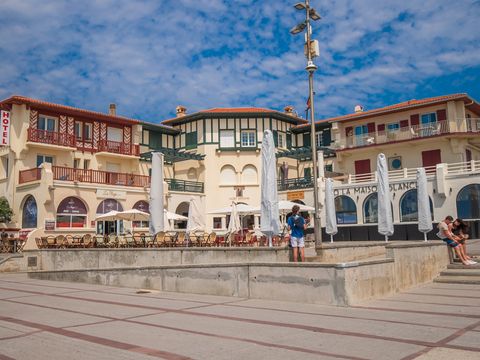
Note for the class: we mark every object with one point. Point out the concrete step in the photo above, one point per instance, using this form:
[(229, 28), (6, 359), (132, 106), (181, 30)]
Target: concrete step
[(468, 280), (461, 272), (461, 266)]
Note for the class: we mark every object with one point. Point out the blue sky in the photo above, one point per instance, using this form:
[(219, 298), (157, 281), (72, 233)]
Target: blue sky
[(149, 56)]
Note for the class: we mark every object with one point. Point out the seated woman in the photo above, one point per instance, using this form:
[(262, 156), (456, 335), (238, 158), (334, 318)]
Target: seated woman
[(460, 230)]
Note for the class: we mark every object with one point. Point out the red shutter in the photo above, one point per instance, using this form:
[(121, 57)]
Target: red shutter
[(381, 127), (371, 128), (362, 167), (404, 123), (349, 131), (431, 158), (441, 115), (414, 119)]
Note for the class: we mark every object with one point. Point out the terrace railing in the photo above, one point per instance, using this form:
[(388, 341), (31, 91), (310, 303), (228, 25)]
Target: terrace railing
[(295, 183), (185, 186), (50, 137), (29, 175), (99, 177), (118, 147)]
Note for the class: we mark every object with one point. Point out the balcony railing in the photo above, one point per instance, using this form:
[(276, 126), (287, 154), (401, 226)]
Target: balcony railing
[(184, 186), (99, 177), (468, 125), (29, 175), (295, 183), (50, 137), (118, 147)]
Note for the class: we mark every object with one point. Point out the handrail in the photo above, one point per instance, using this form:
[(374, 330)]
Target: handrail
[(119, 147), (185, 185), (99, 177), (295, 183), (29, 175), (50, 137)]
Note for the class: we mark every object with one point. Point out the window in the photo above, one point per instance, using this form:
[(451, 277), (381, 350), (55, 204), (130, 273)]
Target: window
[(145, 137), (76, 163), (228, 175), (250, 175), (319, 139), (247, 138), (392, 127), (114, 134), (429, 118), (46, 123), (87, 132), (346, 210), (370, 209), (281, 140), (78, 130), (44, 158), (409, 206), (191, 140), (227, 139), (86, 164), (71, 213), (145, 207), (108, 205), (217, 222), (29, 213), (468, 202)]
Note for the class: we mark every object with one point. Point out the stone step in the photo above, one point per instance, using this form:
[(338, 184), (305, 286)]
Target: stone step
[(461, 272), (461, 266), (468, 280)]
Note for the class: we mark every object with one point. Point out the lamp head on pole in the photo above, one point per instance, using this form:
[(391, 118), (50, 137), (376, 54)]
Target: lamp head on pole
[(298, 28), (311, 67)]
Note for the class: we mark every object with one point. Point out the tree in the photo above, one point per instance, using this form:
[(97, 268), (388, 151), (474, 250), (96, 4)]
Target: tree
[(6, 211)]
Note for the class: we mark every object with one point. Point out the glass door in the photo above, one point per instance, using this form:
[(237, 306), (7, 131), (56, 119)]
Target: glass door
[(361, 134)]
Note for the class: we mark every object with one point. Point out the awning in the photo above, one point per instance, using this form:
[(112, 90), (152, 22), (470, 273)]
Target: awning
[(305, 153), (172, 155)]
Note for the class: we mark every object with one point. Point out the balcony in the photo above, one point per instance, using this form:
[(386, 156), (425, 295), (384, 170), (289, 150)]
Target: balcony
[(50, 137), (118, 147), (29, 175), (295, 183), (184, 186)]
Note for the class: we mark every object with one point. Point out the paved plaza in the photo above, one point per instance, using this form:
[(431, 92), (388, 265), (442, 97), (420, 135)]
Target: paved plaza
[(57, 320)]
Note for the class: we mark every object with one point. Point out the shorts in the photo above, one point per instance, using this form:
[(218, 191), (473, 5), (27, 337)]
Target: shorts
[(451, 243), (297, 242)]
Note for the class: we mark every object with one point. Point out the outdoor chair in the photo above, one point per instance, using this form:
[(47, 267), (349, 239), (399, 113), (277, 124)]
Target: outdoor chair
[(122, 242), (60, 242), (77, 241), (180, 239), (159, 239), (139, 240), (38, 241), (99, 241), (69, 241), (130, 241), (413, 132), (210, 239), (170, 237), (51, 244), (112, 241), (87, 241), (44, 242), (195, 239)]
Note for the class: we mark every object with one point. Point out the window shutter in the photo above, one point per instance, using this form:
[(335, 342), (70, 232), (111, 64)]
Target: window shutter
[(327, 137), (275, 137), (289, 141), (414, 120), (306, 140), (381, 127), (371, 128), (441, 115), (404, 123)]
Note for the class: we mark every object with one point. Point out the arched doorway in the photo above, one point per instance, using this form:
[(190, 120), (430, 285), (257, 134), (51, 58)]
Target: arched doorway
[(182, 209), (468, 202), (71, 213), (370, 209), (109, 227), (29, 213), (409, 206)]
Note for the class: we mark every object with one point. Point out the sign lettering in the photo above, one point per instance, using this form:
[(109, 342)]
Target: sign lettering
[(5, 130), (373, 188)]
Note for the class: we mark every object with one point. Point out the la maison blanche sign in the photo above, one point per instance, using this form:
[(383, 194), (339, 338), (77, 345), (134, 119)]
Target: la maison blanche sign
[(373, 188)]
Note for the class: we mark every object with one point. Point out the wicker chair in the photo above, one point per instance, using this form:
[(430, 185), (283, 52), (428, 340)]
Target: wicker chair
[(99, 241), (139, 240), (159, 239), (210, 239), (130, 241), (87, 241), (122, 242), (39, 243), (60, 242), (51, 243), (112, 241), (180, 239)]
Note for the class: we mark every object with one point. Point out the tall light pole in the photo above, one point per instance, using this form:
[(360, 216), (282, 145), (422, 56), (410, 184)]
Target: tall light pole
[(312, 50)]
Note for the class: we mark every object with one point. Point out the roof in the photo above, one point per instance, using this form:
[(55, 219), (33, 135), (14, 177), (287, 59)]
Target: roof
[(410, 104), (70, 110), (236, 111)]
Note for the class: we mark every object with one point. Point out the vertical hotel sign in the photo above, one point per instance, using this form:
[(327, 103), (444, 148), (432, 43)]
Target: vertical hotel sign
[(5, 129)]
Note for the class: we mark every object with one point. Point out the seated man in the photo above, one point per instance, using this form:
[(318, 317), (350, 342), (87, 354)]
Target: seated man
[(445, 233)]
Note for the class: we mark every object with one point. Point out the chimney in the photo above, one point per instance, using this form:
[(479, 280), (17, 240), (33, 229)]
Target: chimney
[(289, 110), (112, 109), (358, 108), (181, 110)]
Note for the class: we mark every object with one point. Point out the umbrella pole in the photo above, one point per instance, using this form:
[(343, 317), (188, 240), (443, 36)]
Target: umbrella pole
[(331, 238), (386, 238), (425, 236), (270, 241)]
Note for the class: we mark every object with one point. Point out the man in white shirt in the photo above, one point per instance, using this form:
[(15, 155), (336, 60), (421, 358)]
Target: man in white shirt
[(445, 233)]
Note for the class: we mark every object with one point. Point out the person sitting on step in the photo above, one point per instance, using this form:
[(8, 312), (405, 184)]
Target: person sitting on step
[(445, 233)]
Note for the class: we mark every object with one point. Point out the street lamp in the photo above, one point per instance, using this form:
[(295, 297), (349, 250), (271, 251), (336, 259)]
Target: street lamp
[(311, 14)]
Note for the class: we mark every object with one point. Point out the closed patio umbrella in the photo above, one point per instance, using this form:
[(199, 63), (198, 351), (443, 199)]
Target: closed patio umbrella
[(385, 221), (423, 203), (234, 225), (156, 194), (195, 219), (330, 213), (269, 221)]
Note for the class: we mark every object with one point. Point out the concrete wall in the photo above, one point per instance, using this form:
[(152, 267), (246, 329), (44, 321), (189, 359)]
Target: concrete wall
[(334, 252)]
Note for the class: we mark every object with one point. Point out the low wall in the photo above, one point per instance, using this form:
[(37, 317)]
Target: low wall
[(348, 251), (65, 259)]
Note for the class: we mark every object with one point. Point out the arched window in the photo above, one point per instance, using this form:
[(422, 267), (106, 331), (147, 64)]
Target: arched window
[(370, 209), (468, 202), (108, 205), (182, 209), (29, 213), (250, 175), (71, 213), (409, 206), (228, 175), (144, 206), (346, 210)]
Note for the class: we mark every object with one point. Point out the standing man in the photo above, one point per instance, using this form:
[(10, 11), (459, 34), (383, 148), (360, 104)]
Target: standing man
[(297, 226), (445, 233)]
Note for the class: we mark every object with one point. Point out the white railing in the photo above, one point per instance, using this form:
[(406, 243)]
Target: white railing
[(468, 125), (404, 133), (411, 173)]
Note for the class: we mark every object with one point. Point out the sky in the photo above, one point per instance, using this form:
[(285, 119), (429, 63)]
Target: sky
[(150, 56)]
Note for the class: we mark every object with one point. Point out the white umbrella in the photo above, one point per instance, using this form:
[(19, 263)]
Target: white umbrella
[(330, 214), (195, 219), (240, 208), (269, 222), (423, 204), (156, 194), (385, 222), (109, 216), (166, 222), (133, 215), (174, 216), (234, 225)]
